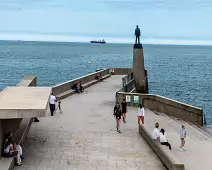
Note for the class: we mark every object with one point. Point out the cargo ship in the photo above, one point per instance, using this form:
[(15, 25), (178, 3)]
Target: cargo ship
[(98, 42)]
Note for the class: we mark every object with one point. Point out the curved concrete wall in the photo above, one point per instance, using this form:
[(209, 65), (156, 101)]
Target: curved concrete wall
[(63, 87)]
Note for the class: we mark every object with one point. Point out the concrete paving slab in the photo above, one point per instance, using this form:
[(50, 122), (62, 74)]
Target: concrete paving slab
[(85, 137), (22, 102)]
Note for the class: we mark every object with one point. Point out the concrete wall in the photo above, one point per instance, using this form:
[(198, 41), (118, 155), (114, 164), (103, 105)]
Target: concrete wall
[(60, 88), (10, 125), (121, 71), (127, 79), (63, 87), (129, 86), (28, 81), (168, 106), (128, 82)]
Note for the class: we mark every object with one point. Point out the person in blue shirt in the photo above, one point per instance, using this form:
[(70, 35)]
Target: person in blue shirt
[(182, 138), (137, 35)]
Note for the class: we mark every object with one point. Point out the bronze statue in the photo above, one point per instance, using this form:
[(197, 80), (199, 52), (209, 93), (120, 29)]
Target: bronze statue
[(137, 35)]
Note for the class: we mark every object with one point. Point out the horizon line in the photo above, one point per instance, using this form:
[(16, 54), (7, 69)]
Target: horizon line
[(88, 42), (112, 39)]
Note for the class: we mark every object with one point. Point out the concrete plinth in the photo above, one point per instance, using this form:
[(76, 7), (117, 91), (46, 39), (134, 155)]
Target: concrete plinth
[(24, 102), (139, 70)]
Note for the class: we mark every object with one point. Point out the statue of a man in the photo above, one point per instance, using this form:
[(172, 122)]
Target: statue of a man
[(137, 35)]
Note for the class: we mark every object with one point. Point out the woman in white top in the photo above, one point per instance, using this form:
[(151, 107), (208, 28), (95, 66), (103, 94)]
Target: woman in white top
[(52, 102), (156, 132), (163, 140), (8, 152), (140, 114)]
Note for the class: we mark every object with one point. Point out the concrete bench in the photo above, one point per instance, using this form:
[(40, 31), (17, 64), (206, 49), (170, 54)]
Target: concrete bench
[(19, 136), (85, 85), (161, 152)]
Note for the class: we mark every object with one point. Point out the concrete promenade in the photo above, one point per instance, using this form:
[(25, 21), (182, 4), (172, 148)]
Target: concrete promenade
[(85, 137)]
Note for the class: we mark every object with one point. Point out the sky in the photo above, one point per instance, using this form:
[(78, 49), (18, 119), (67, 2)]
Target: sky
[(160, 21)]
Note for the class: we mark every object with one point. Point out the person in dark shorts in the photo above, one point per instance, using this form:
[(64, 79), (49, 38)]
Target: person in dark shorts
[(124, 110), (117, 115), (81, 88), (52, 102)]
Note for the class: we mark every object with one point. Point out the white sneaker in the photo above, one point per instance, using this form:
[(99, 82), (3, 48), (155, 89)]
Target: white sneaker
[(181, 149), (19, 164)]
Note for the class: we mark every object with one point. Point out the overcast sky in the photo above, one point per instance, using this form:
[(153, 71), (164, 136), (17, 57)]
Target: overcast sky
[(161, 21)]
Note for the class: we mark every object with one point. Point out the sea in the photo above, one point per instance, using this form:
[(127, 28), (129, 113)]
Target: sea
[(182, 73)]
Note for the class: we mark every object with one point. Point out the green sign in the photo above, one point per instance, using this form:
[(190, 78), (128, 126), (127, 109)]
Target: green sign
[(136, 99)]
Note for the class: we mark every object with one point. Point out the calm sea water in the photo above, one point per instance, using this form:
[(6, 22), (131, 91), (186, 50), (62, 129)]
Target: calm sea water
[(183, 73)]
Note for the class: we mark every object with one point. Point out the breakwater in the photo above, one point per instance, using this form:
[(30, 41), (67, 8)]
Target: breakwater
[(175, 72)]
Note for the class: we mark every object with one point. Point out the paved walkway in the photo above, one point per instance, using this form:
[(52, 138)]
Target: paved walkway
[(198, 144), (85, 137)]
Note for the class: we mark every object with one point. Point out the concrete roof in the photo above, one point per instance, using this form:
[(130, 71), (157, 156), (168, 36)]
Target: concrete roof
[(21, 102)]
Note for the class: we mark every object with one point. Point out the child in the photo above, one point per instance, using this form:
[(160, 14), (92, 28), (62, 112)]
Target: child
[(182, 137), (140, 114), (117, 114)]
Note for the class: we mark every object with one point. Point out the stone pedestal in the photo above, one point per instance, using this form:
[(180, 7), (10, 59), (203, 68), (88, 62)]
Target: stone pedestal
[(139, 72)]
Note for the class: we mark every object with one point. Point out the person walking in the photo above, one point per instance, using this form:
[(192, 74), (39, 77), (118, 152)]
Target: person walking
[(117, 115), (124, 110), (156, 132), (163, 139), (183, 134), (140, 114), (52, 102)]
